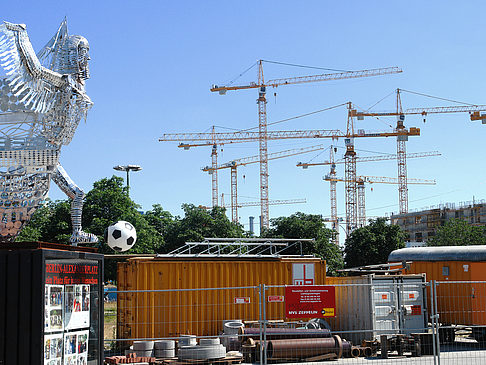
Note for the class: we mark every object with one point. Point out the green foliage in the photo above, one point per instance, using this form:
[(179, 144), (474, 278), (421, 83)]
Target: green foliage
[(457, 232), (301, 225), (198, 223), (373, 243), (49, 223)]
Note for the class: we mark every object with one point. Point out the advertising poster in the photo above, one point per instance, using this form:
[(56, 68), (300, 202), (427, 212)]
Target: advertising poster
[(53, 308), (67, 308), (53, 349), (316, 301), (76, 306), (76, 348)]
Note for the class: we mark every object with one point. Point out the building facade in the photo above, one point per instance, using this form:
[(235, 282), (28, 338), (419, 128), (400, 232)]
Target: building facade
[(421, 225)]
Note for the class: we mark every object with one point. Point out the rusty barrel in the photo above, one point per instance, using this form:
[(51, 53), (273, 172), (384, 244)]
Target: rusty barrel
[(284, 333), (300, 348)]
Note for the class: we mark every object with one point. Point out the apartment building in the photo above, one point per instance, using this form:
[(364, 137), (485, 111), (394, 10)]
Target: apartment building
[(422, 225)]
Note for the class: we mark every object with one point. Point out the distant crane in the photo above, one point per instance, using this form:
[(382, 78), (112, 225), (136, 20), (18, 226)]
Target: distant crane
[(361, 180), (261, 85), (475, 114), (233, 165), (212, 139), (360, 193)]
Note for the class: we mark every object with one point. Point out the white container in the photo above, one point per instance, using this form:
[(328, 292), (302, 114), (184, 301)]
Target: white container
[(370, 305)]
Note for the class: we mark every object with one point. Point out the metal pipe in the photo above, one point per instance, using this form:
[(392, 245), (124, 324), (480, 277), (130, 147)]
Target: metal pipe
[(284, 333), (304, 347), (349, 350)]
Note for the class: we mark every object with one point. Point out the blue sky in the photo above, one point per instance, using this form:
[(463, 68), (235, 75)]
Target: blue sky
[(153, 63)]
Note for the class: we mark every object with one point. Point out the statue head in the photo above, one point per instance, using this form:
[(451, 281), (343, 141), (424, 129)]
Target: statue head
[(73, 58)]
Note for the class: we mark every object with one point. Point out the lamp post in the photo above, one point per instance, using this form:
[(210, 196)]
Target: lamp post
[(127, 169)]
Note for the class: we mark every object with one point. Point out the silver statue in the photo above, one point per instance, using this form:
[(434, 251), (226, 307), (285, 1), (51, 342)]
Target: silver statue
[(42, 100)]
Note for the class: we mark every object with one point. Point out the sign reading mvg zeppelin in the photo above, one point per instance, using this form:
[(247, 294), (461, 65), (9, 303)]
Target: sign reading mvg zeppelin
[(306, 301)]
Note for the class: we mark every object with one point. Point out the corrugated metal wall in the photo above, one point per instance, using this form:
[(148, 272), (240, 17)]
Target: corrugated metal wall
[(200, 312), (353, 308), (455, 303)]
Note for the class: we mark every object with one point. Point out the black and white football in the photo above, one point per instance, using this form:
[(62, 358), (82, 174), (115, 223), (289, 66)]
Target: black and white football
[(121, 236)]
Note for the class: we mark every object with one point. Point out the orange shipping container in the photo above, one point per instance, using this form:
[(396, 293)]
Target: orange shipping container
[(461, 296), (169, 296)]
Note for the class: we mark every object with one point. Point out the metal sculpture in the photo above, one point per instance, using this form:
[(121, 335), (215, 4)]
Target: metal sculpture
[(42, 100)]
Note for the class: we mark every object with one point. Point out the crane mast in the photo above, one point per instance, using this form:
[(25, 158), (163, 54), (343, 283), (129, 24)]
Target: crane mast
[(233, 165), (333, 197)]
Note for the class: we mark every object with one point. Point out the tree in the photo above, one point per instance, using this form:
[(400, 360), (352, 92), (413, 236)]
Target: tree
[(198, 223), (301, 225), (373, 243), (50, 223), (457, 232)]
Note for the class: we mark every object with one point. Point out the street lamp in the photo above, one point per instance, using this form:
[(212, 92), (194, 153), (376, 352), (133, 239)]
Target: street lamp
[(127, 168)]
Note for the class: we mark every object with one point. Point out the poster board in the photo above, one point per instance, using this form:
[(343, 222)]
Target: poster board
[(67, 310)]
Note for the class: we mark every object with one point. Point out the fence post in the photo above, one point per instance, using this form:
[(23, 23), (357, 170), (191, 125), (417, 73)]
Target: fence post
[(260, 320), (437, 336), (264, 324), (432, 318)]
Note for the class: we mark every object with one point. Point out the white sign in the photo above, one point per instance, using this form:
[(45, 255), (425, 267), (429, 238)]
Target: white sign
[(303, 274)]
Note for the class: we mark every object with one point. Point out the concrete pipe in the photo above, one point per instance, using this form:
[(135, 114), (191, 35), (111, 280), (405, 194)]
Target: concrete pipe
[(187, 340), (301, 348), (143, 345), (285, 333), (232, 327), (209, 342), (164, 345), (164, 353)]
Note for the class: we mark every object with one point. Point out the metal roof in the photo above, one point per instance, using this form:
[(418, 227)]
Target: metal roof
[(439, 253)]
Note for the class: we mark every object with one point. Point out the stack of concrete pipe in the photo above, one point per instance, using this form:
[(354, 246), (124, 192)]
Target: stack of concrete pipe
[(230, 338), (164, 349), (143, 348), (208, 348)]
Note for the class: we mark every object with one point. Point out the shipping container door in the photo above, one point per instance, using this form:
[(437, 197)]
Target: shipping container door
[(385, 303), (412, 304)]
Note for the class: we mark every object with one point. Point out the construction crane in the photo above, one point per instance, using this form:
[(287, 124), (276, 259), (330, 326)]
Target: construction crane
[(261, 85), (233, 165), (475, 114), (360, 182), (212, 139), (332, 162)]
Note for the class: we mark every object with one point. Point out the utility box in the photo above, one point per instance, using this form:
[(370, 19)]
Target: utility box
[(51, 304), (370, 305)]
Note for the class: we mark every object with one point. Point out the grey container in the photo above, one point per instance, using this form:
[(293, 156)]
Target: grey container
[(370, 305)]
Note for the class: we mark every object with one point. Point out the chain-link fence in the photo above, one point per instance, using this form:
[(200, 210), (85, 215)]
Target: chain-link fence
[(388, 319)]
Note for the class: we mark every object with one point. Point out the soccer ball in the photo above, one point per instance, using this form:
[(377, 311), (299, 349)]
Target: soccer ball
[(121, 236)]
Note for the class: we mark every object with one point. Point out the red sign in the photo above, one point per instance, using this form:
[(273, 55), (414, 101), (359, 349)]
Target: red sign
[(275, 298), (68, 273), (242, 300), (306, 301)]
